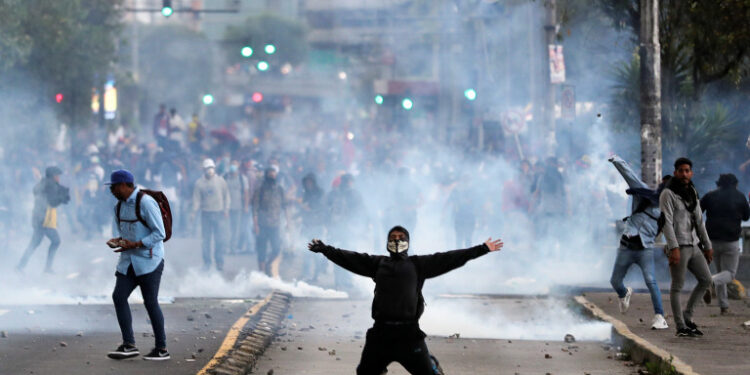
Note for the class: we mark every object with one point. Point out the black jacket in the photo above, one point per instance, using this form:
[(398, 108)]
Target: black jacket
[(399, 277), (725, 208)]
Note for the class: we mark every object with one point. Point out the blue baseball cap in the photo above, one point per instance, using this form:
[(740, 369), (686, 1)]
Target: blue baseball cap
[(120, 176)]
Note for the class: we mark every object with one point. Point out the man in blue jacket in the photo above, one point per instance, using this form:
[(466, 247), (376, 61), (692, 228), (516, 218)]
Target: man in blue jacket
[(141, 263), (637, 242)]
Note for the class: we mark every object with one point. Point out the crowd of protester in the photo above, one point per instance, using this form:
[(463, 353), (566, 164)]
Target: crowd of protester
[(332, 178)]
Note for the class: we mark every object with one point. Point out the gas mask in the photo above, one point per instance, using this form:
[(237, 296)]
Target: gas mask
[(398, 246)]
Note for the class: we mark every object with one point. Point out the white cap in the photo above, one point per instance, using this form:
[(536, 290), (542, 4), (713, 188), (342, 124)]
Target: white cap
[(208, 163)]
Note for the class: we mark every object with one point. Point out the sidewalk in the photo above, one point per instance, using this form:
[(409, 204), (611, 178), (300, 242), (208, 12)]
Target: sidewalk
[(723, 349)]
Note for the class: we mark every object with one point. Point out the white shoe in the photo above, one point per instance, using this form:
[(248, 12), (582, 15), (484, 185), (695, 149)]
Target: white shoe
[(659, 322), (625, 301)]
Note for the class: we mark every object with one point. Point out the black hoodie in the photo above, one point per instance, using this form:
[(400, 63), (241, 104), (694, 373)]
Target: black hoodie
[(725, 208), (399, 277)]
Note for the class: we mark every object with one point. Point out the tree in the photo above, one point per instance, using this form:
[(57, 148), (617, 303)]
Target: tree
[(703, 44), (63, 46)]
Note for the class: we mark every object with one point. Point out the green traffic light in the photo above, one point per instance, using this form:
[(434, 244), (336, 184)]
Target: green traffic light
[(270, 49), (470, 94), (208, 99), (246, 51), (167, 11), (378, 99), (407, 104), (262, 66)]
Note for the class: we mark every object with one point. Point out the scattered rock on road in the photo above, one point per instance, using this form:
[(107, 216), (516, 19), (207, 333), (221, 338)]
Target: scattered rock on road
[(63, 344)]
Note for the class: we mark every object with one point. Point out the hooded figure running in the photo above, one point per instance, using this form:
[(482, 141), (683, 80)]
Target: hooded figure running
[(398, 301)]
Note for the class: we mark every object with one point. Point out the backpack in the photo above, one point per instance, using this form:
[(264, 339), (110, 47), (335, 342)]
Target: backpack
[(161, 200)]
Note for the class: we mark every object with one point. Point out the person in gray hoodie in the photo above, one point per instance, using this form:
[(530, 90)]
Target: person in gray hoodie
[(683, 219)]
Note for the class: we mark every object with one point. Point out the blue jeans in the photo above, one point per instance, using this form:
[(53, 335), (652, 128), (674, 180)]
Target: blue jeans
[(214, 224), (644, 259), (149, 284)]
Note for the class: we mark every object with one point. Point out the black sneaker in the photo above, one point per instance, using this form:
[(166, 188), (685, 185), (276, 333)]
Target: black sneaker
[(693, 327), (157, 355), (124, 351), (684, 332)]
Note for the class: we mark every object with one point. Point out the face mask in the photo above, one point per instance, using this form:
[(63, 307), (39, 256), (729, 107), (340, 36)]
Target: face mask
[(398, 246), (233, 168)]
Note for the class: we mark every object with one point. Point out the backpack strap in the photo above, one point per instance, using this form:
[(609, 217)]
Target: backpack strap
[(138, 198)]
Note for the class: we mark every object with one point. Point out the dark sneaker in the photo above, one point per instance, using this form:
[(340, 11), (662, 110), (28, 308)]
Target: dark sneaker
[(157, 355), (684, 332), (690, 324), (726, 312), (124, 351)]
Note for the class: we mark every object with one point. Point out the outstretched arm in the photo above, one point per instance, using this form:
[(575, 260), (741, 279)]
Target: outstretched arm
[(439, 263), (359, 263), (627, 173)]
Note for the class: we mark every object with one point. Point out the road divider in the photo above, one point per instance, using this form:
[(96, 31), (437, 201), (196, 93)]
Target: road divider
[(249, 337)]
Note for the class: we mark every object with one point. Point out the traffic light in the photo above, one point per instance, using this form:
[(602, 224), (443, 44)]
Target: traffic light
[(378, 99), (166, 8), (270, 49), (208, 99), (470, 94), (407, 104), (262, 66), (257, 97), (59, 97), (246, 51)]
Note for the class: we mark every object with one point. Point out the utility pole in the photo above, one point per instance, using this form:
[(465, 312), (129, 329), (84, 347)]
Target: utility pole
[(650, 108), (548, 119)]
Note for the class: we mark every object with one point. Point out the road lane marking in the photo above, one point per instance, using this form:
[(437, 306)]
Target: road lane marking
[(233, 334)]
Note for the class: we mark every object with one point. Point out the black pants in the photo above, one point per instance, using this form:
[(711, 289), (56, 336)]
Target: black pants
[(267, 236), (402, 344), (149, 284)]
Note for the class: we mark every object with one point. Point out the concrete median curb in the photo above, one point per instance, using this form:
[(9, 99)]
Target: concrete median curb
[(249, 337), (640, 350)]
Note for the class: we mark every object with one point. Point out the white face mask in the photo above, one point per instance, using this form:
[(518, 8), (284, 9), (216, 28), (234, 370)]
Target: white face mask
[(398, 246)]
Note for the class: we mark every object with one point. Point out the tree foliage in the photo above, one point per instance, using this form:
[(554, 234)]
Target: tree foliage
[(62, 46)]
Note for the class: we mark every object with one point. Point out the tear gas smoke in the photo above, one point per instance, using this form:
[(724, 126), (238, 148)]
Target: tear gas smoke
[(557, 230)]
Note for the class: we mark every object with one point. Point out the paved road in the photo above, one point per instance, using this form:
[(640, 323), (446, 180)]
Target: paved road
[(326, 337), (720, 352), (34, 344)]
